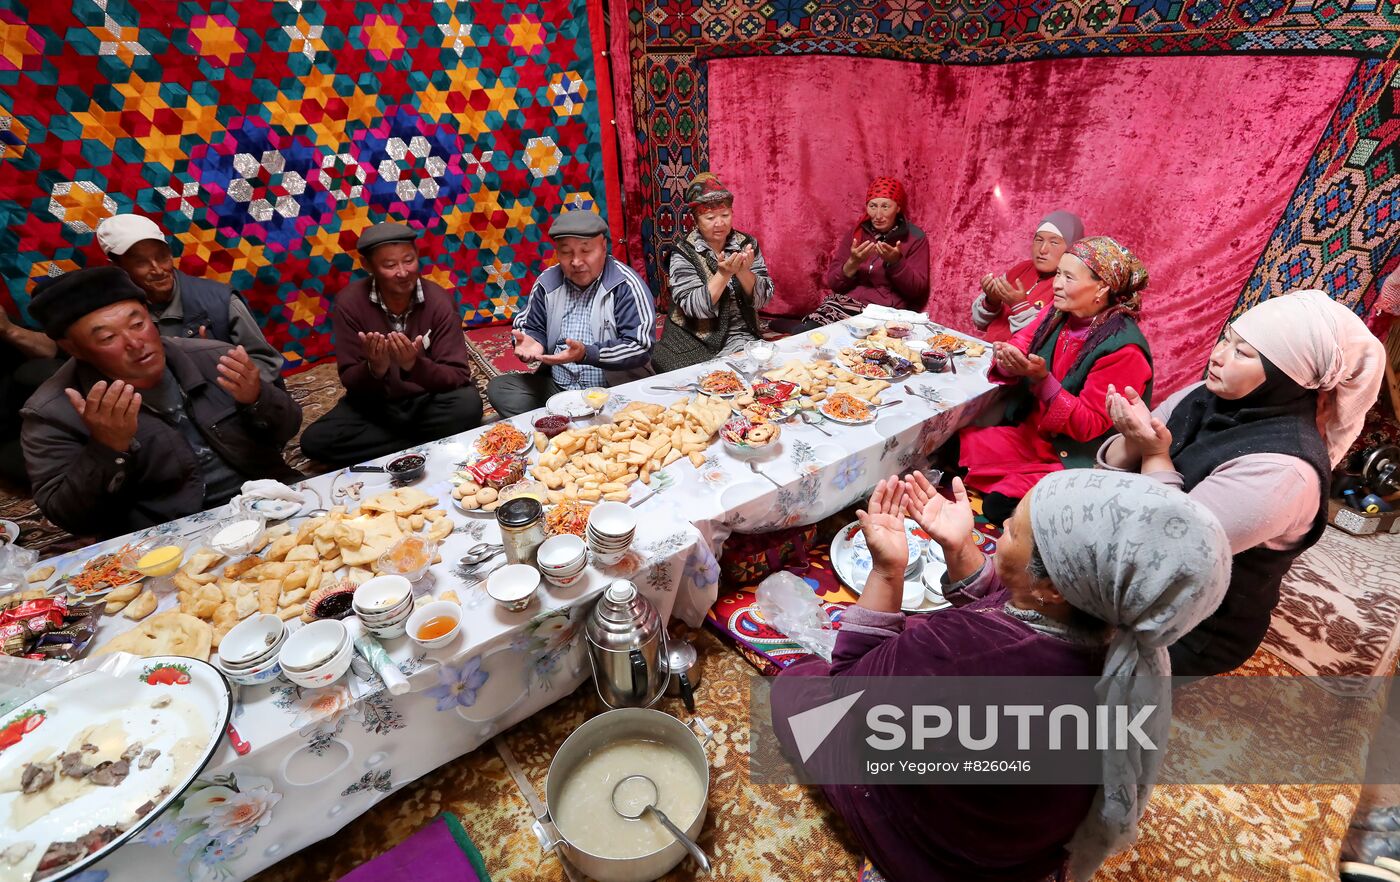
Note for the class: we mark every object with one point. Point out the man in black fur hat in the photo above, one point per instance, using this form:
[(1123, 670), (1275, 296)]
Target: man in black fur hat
[(138, 429)]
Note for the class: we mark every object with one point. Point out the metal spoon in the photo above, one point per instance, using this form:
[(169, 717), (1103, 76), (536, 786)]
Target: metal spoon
[(643, 795), (753, 467), (814, 419), (480, 553), (746, 375)]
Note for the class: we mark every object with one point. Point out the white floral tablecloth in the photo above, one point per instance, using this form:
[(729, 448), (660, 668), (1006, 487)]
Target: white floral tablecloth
[(322, 757)]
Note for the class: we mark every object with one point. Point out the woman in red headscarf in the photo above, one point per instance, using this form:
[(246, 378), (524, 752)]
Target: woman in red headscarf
[(885, 261)]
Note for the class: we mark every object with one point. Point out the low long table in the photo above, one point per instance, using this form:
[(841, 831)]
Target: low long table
[(322, 757)]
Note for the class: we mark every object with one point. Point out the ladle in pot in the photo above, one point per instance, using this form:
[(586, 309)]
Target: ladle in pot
[(635, 795)]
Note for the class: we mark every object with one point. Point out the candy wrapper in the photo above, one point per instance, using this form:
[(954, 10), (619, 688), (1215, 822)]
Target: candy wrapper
[(47, 628), (774, 392), (496, 471)]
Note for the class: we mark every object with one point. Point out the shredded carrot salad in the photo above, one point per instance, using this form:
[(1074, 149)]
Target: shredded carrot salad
[(103, 572), (501, 438), (844, 406), (569, 516), (721, 383)]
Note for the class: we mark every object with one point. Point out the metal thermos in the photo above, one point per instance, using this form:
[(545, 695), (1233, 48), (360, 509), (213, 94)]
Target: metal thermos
[(626, 647)]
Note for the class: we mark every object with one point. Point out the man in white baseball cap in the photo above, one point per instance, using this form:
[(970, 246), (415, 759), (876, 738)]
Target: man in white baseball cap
[(183, 305)]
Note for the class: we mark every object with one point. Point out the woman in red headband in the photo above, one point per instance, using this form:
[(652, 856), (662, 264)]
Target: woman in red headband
[(885, 261)]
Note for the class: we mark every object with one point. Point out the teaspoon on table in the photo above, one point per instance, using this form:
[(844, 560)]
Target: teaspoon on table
[(480, 553), (814, 419), (753, 467)]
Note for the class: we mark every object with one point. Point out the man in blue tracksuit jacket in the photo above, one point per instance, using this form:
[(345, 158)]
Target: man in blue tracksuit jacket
[(590, 321)]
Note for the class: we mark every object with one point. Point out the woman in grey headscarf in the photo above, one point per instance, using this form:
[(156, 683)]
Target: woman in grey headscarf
[(1096, 575)]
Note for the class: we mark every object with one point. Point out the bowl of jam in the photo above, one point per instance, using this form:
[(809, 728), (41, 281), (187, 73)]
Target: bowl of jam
[(551, 424), (408, 467)]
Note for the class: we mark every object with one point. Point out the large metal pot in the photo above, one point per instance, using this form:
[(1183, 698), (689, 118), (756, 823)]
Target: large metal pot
[(606, 728)]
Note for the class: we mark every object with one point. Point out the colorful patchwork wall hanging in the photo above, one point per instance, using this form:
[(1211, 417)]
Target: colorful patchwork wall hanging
[(1337, 234), (265, 136)]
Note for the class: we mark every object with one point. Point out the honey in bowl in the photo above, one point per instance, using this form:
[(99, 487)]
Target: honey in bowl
[(436, 627), (410, 554), (161, 561)]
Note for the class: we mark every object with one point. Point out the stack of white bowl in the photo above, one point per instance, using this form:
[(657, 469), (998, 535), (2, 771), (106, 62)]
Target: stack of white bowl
[(248, 654), (384, 604), (318, 654), (562, 559), (611, 529)]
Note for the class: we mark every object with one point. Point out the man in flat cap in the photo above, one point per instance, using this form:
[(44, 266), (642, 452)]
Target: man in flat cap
[(590, 321), (183, 305), (402, 358), (137, 429)]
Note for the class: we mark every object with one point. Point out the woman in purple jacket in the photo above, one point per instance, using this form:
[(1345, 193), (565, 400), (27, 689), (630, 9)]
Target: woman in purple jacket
[(1095, 576), (885, 261)]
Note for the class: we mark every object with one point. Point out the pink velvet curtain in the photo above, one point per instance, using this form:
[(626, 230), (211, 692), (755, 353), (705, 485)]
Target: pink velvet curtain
[(1188, 161), (623, 127)]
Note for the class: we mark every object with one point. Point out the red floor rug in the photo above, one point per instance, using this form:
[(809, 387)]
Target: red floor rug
[(492, 350)]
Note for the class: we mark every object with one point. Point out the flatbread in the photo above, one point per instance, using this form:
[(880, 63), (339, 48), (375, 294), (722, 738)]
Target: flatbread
[(238, 568), (142, 606), (201, 561), (402, 501), (269, 592), (124, 594), (244, 605), (167, 633), (380, 532), (41, 574), (279, 548)]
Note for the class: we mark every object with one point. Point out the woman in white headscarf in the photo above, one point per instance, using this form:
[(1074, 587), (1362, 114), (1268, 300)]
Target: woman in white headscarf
[(1286, 392), (1095, 576)]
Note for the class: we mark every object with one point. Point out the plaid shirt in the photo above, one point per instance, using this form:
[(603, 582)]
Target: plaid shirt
[(397, 322), (578, 325)]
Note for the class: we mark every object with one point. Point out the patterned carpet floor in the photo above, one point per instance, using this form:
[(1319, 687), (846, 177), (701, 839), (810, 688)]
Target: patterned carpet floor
[(1189, 833)]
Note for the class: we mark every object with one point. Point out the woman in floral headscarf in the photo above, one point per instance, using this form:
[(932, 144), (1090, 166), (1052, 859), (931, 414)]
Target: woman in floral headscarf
[(885, 261), (1059, 368), (1095, 577)]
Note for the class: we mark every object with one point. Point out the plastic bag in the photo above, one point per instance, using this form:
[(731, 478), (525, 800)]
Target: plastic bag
[(21, 679), (14, 562), (788, 604)]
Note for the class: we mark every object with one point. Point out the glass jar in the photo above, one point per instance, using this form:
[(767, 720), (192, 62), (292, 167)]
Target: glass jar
[(522, 528)]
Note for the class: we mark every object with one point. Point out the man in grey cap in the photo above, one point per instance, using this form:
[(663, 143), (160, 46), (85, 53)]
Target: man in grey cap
[(183, 305), (402, 358), (590, 321), (137, 429)]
